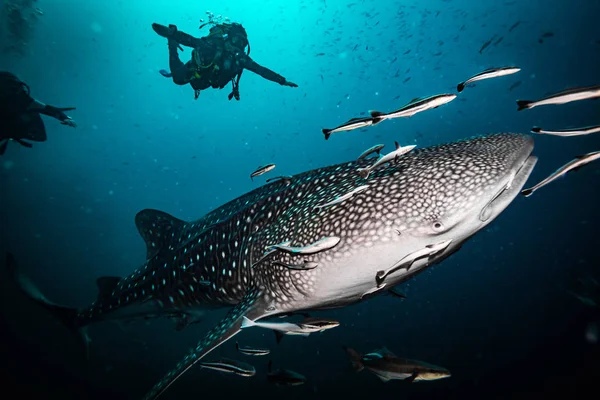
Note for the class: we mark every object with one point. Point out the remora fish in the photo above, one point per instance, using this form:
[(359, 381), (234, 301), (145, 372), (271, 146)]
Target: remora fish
[(393, 155), (415, 106), (572, 165), (262, 170), (344, 197), (320, 245), (304, 328), (567, 132), (408, 260), (354, 123), (230, 367), (252, 351), (223, 245), (387, 366), (566, 96), (487, 74), (375, 149)]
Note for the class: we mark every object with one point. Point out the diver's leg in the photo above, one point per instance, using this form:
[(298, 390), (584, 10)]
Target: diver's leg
[(171, 32), (179, 72)]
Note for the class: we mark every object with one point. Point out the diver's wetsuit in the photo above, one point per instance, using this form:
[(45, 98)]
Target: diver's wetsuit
[(20, 113), (185, 73)]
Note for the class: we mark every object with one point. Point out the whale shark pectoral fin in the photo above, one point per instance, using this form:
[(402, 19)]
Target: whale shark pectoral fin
[(156, 228), (251, 307)]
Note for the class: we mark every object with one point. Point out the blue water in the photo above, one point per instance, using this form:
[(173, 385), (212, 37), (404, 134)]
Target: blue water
[(497, 313)]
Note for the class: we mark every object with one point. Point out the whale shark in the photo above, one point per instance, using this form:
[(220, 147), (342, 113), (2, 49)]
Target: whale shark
[(237, 255)]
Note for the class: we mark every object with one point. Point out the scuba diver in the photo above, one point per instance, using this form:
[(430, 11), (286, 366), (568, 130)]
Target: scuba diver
[(217, 59), (20, 113)]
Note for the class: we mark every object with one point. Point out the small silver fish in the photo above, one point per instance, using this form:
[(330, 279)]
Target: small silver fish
[(313, 325), (252, 351), (408, 260), (307, 326), (416, 106), (326, 243), (230, 366), (487, 74), (287, 328), (354, 123), (567, 132), (566, 96), (298, 267), (344, 197), (262, 170), (572, 165), (375, 149), (365, 172)]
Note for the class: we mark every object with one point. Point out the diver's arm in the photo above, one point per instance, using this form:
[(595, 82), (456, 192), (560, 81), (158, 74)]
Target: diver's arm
[(249, 64), (51, 111)]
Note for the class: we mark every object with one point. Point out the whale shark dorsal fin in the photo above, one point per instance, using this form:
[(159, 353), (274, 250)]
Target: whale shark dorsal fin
[(397, 145), (251, 306), (157, 228)]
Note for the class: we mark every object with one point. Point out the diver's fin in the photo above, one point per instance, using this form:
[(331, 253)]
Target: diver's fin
[(157, 229), (251, 306), (23, 143), (106, 285), (278, 336), (355, 358), (3, 146), (67, 315), (162, 30)]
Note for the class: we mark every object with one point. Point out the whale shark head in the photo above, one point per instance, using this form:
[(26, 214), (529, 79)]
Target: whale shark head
[(440, 195)]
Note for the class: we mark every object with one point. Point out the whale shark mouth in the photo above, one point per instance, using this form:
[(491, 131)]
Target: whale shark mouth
[(509, 191)]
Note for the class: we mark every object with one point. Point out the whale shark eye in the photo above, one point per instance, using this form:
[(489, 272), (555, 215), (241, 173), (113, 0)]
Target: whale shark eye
[(437, 226)]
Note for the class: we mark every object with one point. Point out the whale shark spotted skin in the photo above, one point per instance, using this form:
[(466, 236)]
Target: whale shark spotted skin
[(442, 193)]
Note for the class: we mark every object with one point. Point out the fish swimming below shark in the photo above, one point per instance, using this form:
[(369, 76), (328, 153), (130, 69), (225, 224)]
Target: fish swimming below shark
[(193, 267)]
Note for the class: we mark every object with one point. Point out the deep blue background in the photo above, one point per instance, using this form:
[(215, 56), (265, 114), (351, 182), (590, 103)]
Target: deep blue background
[(496, 314)]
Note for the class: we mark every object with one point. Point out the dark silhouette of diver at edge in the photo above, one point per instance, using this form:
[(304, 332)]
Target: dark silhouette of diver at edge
[(20, 113)]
